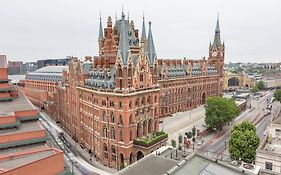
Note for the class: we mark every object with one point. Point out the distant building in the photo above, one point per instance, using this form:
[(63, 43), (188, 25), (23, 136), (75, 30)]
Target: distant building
[(28, 67), (53, 62), (38, 84), (14, 67), (23, 146)]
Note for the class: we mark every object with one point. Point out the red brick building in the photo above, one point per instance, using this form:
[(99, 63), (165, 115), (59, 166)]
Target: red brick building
[(111, 104), (23, 140)]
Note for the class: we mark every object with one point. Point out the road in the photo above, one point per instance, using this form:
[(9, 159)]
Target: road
[(76, 163), (256, 115)]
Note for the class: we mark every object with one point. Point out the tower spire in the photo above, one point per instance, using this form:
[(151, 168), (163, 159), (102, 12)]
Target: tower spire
[(143, 34), (123, 45), (150, 47), (217, 38), (100, 29)]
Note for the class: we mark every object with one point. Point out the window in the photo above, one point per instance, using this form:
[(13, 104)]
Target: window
[(105, 151), (120, 105), (130, 119), (113, 133), (268, 165), (104, 116), (120, 119), (111, 104), (113, 151), (112, 117), (104, 131), (130, 104)]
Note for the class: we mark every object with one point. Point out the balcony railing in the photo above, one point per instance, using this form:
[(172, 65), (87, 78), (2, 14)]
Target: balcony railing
[(153, 139)]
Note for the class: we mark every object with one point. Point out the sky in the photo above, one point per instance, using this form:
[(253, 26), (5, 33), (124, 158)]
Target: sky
[(38, 29)]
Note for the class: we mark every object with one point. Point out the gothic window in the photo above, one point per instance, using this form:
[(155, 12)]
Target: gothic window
[(120, 105), (103, 102), (130, 104), (104, 131), (120, 119), (130, 119), (112, 117), (113, 151), (111, 104), (148, 100), (143, 101), (113, 133), (105, 151), (120, 72), (137, 102), (141, 76), (104, 116)]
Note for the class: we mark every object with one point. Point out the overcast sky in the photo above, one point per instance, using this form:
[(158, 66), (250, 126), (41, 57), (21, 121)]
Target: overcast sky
[(36, 29)]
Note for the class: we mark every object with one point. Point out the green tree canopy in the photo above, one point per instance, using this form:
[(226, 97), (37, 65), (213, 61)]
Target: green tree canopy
[(260, 85), (277, 95), (255, 89), (244, 142), (220, 111)]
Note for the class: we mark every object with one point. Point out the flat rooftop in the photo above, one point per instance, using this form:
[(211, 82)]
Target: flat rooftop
[(24, 127), (17, 161), (20, 149), (151, 164), (201, 166), (18, 104)]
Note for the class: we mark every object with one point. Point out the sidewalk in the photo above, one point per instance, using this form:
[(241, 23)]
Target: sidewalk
[(78, 151)]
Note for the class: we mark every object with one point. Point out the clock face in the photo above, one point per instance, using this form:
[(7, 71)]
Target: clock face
[(214, 54)]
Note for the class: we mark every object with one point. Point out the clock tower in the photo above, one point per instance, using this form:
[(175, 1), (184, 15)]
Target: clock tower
[(216, 51)]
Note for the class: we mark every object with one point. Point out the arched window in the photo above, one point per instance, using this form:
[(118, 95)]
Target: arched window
[(143, 101), (113, 133), (104, 116), (120, 105), (155, 99), (112, 117), (130, 104), (104, 131), (120, 71), (105, 151), (148, 100), (113, 151), (120, 119), (141, 76), (137, 102)]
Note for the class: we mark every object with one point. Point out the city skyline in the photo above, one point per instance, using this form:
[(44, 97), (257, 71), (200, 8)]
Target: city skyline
[(32, 30)]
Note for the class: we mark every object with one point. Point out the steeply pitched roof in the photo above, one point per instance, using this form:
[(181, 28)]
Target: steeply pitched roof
[(123, 47), (100, 31), (150, 47), (143, 34), (217, 39)]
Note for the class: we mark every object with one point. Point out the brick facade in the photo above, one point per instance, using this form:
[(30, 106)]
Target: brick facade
[(111, 104)]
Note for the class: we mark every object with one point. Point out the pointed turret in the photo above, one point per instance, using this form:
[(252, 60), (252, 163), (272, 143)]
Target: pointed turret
[(100, 31), (150, 47), (123, 47), (143, 34), (217, 39)]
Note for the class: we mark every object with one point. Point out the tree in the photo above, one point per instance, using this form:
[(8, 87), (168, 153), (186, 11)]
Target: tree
[(180, 139), (255, 89), (277, 95), (220, 111), (260, 85), (174, 143), (243, 142), (188, 134)]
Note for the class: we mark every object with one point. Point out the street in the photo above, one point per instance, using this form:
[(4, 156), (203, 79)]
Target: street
[(77, 164)]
